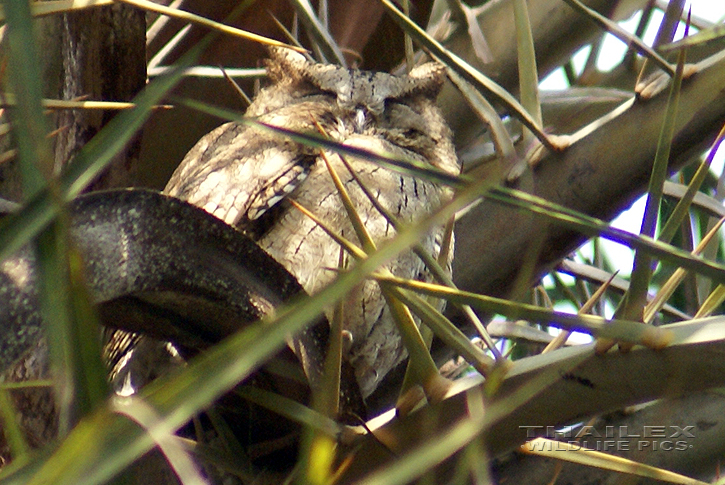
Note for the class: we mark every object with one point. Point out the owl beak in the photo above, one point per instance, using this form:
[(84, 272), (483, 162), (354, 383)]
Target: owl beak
[(360, 119)]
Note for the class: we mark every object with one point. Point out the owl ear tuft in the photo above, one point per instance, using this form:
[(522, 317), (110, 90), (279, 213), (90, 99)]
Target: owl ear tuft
[(427, 79), (285, 64)]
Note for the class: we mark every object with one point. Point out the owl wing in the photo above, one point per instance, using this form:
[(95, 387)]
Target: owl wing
[(238, 172)]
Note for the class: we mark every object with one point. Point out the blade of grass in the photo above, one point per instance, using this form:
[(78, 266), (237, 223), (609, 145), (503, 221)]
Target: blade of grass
[(17, 229), (324, 42), (179, 396), (8, 100), (467, 72), (51, 7), (35, 159), (622, 35), (217, 26), (291, 409), (591, 226), (422, 365), (330, 393), (317, 448), (68, 321), (669, 287), (407, 41), (701, 201), (232, 457), (176, 455), (561, 339), (14, 436), (712, 302), (445, 330), (681, 209), (240, 92), (669, 23), (358, 225), (435, 267), (351, 248), (528, 73), (713, 33), (420, 359), (70, 326), (465, 15), (168, 47), (402, 165), (596, 275), (625, 330), (73, 359), (633, 304), (415, 462), (500, 136)]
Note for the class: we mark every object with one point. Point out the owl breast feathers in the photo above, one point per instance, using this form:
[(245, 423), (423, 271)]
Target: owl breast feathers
[(244, 175)]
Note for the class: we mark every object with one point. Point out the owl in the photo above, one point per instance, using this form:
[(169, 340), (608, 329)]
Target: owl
[(246, 175)]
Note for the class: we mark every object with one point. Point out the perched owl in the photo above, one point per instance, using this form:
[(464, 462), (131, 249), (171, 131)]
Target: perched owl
[(244, 175)]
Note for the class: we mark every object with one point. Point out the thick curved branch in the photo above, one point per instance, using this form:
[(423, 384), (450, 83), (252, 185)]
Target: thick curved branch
[(558, 30), (582, 383), (160, 266), (601, 174)]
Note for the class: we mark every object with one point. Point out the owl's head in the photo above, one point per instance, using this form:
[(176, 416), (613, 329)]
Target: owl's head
[(354, 89), (399, 109)]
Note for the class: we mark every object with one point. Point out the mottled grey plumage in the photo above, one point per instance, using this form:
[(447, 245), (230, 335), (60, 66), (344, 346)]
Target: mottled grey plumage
[(243, 175)]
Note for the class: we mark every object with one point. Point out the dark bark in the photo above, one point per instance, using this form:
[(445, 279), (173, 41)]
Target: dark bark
[(98, 54)]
